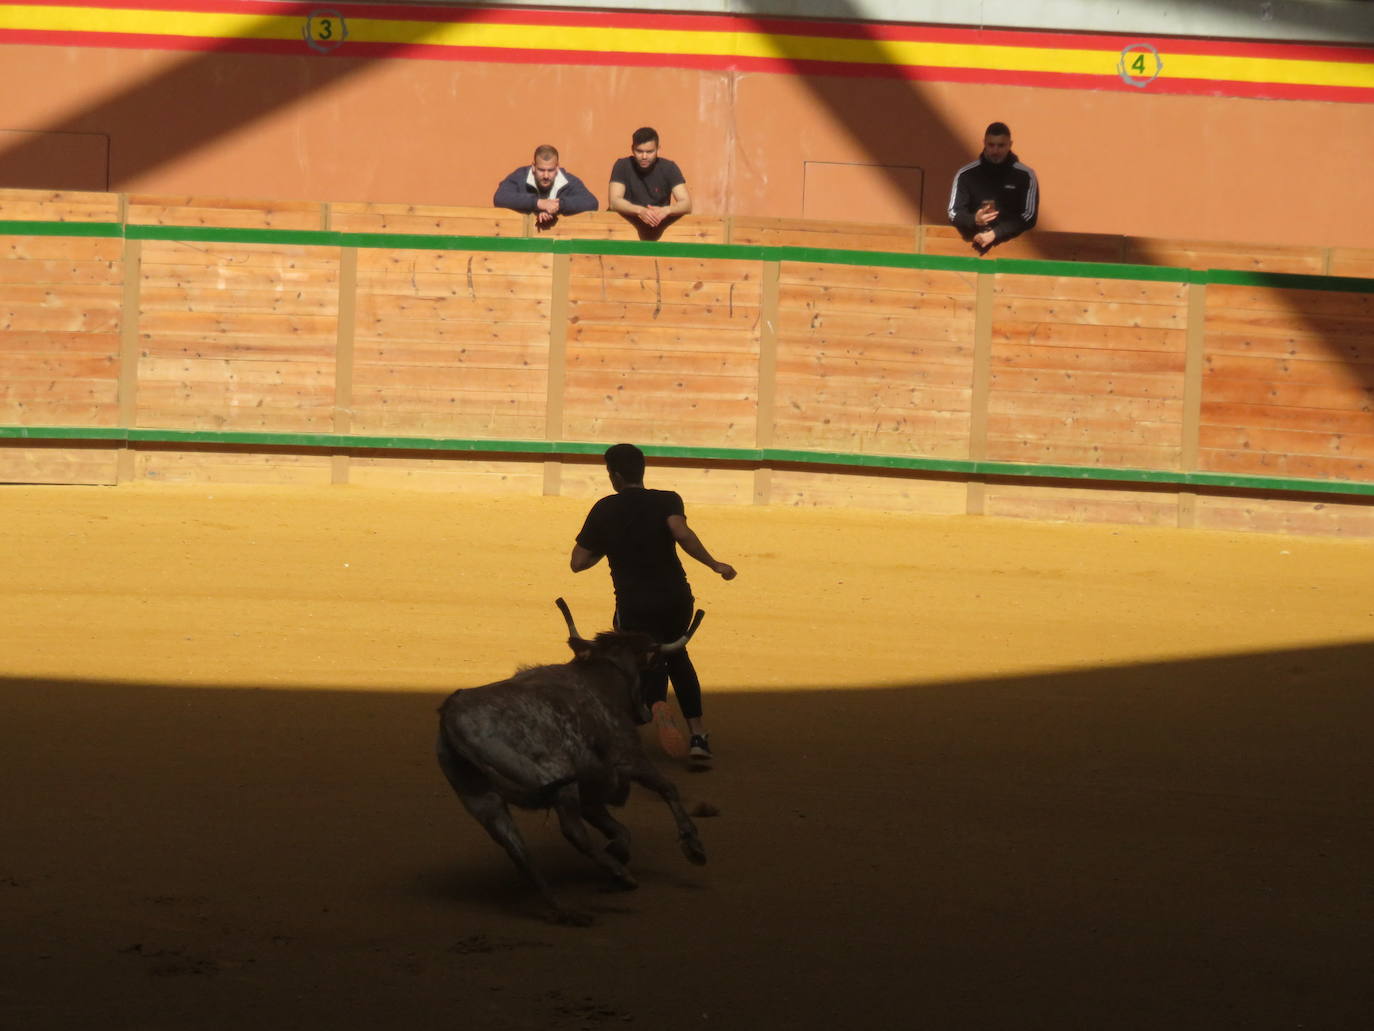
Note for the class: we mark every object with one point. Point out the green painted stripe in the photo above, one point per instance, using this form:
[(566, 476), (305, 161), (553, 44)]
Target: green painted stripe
[(814, 255), (755, 456), (9, 227)]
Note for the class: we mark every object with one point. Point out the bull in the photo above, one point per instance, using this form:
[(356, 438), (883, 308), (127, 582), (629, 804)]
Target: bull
[(562, 737)]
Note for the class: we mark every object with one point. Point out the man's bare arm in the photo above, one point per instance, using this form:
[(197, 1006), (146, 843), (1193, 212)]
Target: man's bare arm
[(582, 558), (691, 543)]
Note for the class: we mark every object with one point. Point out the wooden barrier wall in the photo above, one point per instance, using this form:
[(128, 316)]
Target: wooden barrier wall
[(1076, 371)]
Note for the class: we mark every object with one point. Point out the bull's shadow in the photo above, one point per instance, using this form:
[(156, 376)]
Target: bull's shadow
[(1185, 843)]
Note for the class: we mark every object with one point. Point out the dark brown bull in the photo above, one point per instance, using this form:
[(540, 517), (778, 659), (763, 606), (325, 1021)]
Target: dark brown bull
[(562, 737)]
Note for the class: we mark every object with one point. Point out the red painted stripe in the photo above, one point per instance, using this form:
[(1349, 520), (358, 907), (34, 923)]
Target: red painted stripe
[(895, 32), (707, 62)]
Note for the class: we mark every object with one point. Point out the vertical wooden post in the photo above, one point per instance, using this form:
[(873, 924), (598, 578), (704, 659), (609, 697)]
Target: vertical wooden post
[(767, 393), (129, 354), (1192, 397), (343, 358), (981, 387), (558, 358)]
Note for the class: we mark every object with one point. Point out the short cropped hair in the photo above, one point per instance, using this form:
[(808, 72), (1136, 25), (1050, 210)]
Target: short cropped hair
[(627, 461), (997, 129), (545, 152), (644, 135)]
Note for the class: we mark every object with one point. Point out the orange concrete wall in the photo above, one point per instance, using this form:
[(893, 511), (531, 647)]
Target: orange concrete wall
[(293, 124)]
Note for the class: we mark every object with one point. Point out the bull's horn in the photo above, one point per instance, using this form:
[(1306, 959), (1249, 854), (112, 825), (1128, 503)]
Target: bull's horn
[(681, 642), (567, 616)]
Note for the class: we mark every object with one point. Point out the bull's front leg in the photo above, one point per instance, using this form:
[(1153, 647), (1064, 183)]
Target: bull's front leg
[(645, 773), (568, 805)]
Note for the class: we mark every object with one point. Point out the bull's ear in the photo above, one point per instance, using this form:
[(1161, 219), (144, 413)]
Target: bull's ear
[(580, 648)]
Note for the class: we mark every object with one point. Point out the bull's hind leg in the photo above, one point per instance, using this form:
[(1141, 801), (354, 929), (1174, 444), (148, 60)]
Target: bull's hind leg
[(645, 773), (568, 805), (617, 834), (489, 809)]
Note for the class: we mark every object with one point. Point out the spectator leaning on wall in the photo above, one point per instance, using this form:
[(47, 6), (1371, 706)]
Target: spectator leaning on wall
[(645, 186), (545, 189), (996, 197)]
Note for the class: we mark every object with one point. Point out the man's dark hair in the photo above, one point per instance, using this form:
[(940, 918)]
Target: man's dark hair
[(627, 461), (644, 135), (997, 129), (545, 152)]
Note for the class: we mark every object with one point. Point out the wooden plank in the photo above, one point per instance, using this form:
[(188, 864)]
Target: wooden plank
[(165, 465), (456, 380), (1111, 455), (1073, 288), (1324, 517), (1202, 254), (31, 318), (1087, 383), (1039, 403), (1290, 442), (720, 429), (739, 318), (859, 277), (654, 292), (781, 232), (519, 421), (68, 296), (378, 264), (1351, 261), (532, 354), (1078, 359), (1233, 298), (1350, 397), (221, 212), (668, 269), (875, 491), (607, 225), (240, 277), (1081, 505), (59, 366), (294, 301), (425, 218), (78, 411), (1250, 414), (381, 308), (309, 328), (1101, 426), (57, 248), (58, 206), (1059, 334), (190, 253), (20, 343), (472, 288), (49, 463), (1291, 370), (664, 360), (1312, 467), (465, 475), (36, 394), (61, 272), (666, 338), (1091, 313), (855, 325), (883, 350), (846, 299), (831, 373)]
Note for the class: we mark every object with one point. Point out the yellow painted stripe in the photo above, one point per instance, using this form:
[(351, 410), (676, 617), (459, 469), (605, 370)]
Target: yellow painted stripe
[(592, 39)]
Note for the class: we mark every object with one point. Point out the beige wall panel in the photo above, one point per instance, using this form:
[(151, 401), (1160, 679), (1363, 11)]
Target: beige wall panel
[(1081, 505), (457, 474), (787, 232), (58, 206), (219, 466), (56, 464), (1320, 517), (425, 218), (895, 492), (222, 212)]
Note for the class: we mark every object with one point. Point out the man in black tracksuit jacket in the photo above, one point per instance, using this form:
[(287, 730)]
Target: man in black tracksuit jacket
[(996, 197)]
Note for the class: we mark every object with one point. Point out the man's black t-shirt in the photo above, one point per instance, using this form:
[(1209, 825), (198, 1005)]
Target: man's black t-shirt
[(654, 187), (631, 529)]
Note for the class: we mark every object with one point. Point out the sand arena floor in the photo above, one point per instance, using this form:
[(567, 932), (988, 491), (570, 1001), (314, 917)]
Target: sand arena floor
[(971, 773)]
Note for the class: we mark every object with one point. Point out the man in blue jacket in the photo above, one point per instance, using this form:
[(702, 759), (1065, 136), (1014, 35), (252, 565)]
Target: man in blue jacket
[(996, 197), (545, 189)]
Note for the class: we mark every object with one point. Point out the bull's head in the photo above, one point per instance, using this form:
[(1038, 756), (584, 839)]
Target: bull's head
[(631, 651)]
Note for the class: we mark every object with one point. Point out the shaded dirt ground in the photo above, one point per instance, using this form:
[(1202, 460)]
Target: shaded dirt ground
[(971, 773)]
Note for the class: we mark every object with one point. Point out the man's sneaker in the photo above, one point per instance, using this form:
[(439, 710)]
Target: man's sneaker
[(700, 747), (670, 737)]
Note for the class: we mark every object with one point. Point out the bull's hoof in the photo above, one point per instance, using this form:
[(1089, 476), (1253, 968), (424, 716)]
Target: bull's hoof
[(570, 917), (619, 848), (691, 848)]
